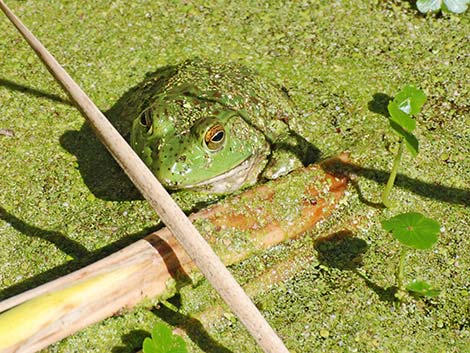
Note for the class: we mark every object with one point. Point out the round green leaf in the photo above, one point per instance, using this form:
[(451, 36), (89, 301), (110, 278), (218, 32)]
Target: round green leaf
[(413, 229), (423, 288)]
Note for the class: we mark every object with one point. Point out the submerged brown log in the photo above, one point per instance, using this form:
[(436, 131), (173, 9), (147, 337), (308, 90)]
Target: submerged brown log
[(236, 227)]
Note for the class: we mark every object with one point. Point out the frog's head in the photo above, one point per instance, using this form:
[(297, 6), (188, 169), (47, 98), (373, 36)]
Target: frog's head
[(216, 150)]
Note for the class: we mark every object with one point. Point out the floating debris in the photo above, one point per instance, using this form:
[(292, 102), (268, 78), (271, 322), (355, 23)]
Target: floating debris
[(7, 132)]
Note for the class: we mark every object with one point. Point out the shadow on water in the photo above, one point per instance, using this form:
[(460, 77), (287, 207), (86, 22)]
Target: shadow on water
[(13, 86), (379, 104), (343, 251), (66, 245), (363, 199), (132, 342), (100, 172)]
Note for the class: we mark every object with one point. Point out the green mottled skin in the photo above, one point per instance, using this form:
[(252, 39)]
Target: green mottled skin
[(179, 105)]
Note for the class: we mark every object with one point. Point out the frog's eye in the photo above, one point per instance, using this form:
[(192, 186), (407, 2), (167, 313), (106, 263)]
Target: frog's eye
[(146, 119), (215, 137)]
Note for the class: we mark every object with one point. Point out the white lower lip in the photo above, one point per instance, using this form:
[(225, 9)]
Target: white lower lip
[(231, 180)]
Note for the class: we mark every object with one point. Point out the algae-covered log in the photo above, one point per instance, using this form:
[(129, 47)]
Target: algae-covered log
[(236, 227)]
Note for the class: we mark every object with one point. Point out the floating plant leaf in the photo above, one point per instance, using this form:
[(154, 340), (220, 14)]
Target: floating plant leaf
[(413, 229), (410, 99)]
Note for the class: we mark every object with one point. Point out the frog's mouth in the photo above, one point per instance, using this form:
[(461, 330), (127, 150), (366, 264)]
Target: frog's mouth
[(244, 174)]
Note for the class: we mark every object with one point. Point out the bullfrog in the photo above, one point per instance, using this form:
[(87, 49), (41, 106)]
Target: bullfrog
[(214, 127)]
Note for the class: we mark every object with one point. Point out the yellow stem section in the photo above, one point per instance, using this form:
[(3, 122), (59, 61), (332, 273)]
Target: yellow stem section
[(22, 322)]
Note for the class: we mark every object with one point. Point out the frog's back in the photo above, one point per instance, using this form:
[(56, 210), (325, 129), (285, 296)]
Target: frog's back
[(236, 86)]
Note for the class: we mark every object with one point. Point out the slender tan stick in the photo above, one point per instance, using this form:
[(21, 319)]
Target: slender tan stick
[(34, 319), (174, 218)]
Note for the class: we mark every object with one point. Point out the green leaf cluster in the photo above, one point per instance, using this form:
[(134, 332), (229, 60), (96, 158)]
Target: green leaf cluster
[(164, 341), (455, 6), (402, 108)]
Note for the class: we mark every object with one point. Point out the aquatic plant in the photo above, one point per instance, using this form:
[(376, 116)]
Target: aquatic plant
[(413, 231), (402, 108)]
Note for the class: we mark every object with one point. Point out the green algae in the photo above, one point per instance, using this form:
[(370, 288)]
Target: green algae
[(337, 59)]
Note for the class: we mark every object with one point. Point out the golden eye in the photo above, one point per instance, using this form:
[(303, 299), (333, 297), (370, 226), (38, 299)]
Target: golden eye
[(146, 118), (215, 137)]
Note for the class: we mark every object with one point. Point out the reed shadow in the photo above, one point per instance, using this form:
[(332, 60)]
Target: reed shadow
[(13, 86), (172, 263), (66, 245), (342, 250)]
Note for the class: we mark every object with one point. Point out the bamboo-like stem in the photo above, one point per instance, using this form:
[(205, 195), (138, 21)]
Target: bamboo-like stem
[(41, 316), (173, 217)]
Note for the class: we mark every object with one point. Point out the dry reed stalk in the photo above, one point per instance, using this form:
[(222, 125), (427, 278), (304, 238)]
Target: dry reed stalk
[(256, 219)]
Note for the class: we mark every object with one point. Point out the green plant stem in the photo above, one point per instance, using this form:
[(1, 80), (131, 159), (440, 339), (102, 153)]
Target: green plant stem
[(401, 266), (393, 175)]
